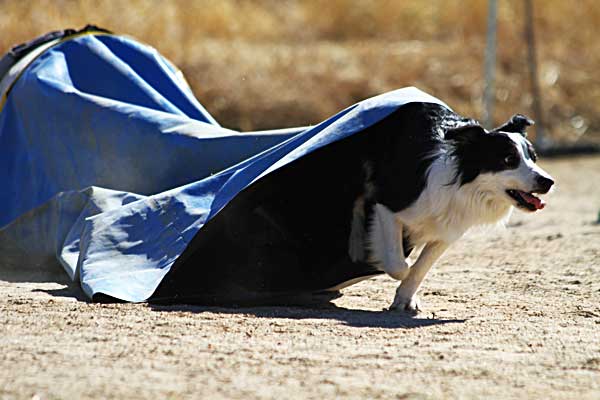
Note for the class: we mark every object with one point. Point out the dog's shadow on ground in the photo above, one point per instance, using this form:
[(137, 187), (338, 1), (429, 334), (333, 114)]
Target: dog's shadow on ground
[(313, 307), (296, 311), (355, 318)]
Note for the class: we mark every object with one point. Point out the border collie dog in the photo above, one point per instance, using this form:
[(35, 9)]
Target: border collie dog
[(415, 181)]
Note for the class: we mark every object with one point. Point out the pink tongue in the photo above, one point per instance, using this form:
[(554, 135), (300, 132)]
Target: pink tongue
[(534, 201)]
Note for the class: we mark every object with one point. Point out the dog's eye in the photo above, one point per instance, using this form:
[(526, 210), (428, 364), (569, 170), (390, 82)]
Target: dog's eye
[(511, 160)]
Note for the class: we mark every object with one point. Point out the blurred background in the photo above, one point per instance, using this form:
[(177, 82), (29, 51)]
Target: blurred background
[(276, 63)]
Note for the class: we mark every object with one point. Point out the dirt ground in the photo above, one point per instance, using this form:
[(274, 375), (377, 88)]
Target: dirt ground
[(511, 313)]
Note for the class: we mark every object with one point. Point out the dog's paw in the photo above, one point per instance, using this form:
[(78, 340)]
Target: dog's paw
[(410, 306), (398, 270)]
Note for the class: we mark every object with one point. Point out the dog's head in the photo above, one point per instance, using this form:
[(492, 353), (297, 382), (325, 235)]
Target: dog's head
[(502, 161)]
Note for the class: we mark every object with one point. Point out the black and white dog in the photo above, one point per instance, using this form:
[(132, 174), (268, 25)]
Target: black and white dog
[(417, 180)]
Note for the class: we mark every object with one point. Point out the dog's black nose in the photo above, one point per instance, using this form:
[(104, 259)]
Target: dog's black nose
[(544, 184)]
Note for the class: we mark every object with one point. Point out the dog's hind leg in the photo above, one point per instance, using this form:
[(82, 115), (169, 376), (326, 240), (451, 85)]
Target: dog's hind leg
[(406, 299), (356, 241), (386, 241)]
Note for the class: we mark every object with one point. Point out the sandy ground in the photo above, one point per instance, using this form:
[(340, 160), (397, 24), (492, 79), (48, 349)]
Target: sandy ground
[(511, 313)]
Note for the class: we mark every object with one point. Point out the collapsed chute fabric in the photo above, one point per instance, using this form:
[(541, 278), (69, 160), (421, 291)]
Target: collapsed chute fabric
[(110, 166)]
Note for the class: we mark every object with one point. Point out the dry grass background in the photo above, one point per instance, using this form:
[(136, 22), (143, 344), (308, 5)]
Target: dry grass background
[(275, 63)]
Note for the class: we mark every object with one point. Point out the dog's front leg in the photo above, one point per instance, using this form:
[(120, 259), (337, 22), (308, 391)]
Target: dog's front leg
[(406, 299), (386, 243)]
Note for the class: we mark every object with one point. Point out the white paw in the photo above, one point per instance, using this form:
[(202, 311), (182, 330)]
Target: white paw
[(399, 270), (410, 305), (385, 239)]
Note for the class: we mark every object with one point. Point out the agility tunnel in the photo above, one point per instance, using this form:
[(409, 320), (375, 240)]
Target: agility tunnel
[(112, 168)]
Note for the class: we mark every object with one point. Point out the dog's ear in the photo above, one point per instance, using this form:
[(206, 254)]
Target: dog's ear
[(465, 134), (518, 124)]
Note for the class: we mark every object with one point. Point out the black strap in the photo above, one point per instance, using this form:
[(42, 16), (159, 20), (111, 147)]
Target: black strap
[(21, 50)]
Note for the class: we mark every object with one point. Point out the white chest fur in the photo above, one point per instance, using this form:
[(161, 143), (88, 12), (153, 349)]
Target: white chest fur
[(446, 210)]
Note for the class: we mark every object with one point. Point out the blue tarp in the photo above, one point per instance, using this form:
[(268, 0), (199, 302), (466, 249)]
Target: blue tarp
[(110, 166)]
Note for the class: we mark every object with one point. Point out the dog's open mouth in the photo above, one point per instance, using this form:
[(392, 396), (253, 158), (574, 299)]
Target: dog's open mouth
[(525, 200)]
